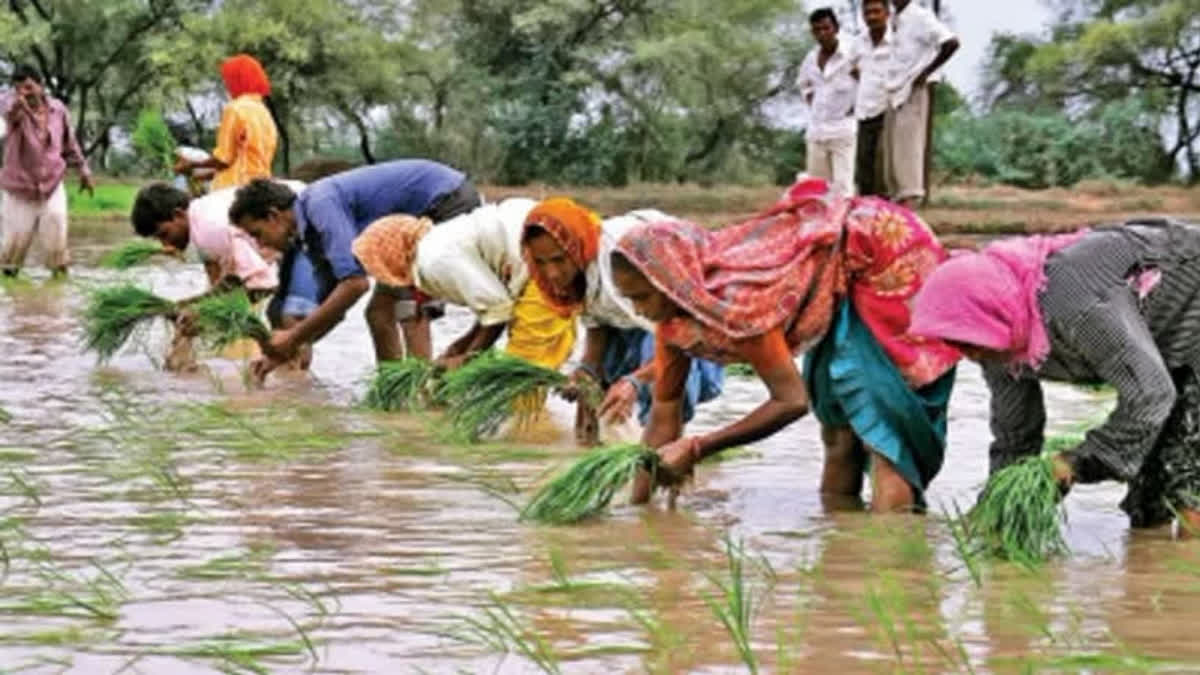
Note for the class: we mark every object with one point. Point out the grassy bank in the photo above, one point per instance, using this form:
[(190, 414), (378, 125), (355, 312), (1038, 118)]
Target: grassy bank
[(953, 209), (113, 199)]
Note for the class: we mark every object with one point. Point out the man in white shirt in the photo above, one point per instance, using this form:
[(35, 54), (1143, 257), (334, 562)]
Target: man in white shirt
[(829, 89), (921, 43), (873, 65)]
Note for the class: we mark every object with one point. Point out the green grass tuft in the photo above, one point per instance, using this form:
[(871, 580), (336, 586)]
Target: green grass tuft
[(401, 385), (131, 254), (1018, 516), (588, 485), (115, 313)]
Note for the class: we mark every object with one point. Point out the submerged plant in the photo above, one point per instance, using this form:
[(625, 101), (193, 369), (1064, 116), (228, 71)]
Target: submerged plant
[(401, 385), (115, 313), (131, 254), (495, 387), (1018, 517), (588, 485)]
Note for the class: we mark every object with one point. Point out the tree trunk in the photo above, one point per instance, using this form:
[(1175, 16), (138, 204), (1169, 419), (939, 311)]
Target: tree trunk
[(364, 139), (279, 110)]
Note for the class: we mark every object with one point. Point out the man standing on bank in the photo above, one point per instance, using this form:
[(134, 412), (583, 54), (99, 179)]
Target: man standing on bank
[(829, 90), (921, 44), (874, 58)]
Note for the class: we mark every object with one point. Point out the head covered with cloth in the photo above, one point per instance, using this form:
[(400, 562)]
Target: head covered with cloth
[(814, 273), (243, 74), (575, 230), (988, 300)]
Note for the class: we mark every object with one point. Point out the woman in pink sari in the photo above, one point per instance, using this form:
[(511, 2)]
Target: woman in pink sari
[(817, 274)]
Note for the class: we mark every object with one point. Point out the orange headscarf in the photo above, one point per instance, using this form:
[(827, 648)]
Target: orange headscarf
[(243, 74), (577, 230)]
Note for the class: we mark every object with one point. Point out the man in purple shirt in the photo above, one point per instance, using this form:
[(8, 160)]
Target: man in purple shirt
[(39, 146), (322, 223)]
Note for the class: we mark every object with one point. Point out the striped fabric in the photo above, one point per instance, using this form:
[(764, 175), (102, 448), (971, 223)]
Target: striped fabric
[(1107, 323)]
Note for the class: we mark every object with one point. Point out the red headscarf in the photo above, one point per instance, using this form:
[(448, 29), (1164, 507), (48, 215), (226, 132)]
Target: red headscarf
[(577, 230), (243, 74)]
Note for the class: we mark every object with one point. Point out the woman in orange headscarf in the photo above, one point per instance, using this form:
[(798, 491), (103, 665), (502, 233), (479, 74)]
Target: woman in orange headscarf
[(569, 250), (247, 137)]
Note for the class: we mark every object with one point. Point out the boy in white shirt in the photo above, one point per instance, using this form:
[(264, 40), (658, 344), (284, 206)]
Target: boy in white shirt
[(921, 44), (829, 88)]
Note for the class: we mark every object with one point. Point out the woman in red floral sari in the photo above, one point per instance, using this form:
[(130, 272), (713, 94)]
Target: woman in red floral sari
[(817, 274)]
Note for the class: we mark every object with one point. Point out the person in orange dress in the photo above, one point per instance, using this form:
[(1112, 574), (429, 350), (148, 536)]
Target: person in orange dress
[(247, 137)]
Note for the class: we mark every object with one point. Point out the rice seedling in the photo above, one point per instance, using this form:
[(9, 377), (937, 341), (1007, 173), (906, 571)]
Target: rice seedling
[(401, 385), (224, 318), (131, 254), (1018, 517), (62, 594), (240, 652), (5, 416), (588, 485), (495, 387), (736, 604), (573, 592), (116, 313), (740, 370), (501, 631), (248, 564), (960, 531)]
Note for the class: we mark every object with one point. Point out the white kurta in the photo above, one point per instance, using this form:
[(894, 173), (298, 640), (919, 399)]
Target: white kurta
[(475, 260)]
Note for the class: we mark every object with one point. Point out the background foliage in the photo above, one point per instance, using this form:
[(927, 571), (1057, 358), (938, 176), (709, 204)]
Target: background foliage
[(604, 92)]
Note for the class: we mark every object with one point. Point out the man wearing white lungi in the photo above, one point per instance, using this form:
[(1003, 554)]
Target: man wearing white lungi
[(39, 145), (921, 44)]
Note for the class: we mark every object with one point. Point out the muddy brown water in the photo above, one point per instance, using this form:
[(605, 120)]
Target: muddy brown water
[(135, 539)]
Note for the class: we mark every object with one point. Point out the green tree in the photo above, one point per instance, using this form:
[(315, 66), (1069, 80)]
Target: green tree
[(1108, 50), (95, 55)]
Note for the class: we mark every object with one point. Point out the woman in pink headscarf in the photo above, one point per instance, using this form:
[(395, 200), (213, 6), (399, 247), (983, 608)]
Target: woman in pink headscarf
[(1117, 305)]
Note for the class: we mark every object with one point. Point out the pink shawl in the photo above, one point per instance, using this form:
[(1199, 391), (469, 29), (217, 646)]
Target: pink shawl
[(990, 298)]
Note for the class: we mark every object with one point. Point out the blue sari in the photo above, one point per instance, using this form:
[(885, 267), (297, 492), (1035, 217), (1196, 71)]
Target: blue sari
[(629, 348), (853, 383)]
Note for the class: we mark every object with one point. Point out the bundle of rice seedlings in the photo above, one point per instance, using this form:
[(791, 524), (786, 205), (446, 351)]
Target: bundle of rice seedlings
[(1019, 516), (401, 385), (495, 387), (133, 253), (225, 318), (115, 313), (588, 485)]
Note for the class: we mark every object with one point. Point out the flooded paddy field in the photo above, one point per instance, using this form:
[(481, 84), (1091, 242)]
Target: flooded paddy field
[(174, 524)]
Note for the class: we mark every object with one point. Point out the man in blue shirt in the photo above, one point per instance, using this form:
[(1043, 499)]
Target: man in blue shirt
[(322, 223)]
